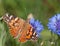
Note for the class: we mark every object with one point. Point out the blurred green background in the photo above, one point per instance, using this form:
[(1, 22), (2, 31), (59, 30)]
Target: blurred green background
[(41, 9)]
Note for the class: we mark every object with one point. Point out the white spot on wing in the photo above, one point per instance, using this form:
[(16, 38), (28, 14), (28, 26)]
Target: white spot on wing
[(16, 19), (7, 20), (10, 17), (31, 29), (34, 33), (32, 37)]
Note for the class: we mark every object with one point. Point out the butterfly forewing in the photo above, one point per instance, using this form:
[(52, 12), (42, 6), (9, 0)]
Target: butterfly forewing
[(16, 28), (15, 24)]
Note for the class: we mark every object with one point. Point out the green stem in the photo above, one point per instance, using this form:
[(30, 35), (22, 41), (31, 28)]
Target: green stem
[(2, 35), (52, 39)]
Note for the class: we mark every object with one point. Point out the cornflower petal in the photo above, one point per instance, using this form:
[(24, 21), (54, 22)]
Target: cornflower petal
[(54, 24)]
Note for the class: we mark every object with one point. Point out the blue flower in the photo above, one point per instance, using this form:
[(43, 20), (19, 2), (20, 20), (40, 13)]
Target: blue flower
[(54, 24), (38, 27)]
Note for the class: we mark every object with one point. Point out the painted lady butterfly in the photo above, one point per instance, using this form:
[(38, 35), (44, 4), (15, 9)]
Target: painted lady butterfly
[(19, 28)]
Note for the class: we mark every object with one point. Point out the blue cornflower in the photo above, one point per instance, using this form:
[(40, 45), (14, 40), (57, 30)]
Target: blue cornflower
[(54, 24), (38, 27)]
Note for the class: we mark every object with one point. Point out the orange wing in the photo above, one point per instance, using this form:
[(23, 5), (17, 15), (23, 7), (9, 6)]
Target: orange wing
[(26, 33), (19, 28), (15, 24)]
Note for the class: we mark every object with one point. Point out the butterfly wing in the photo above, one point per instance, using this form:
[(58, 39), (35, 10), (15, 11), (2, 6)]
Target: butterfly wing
[(26, 33), (15, 24), (19, 28), (15, 27)]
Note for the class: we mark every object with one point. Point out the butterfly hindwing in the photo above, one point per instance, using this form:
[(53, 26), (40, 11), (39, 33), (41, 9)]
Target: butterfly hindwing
[(26, 33)]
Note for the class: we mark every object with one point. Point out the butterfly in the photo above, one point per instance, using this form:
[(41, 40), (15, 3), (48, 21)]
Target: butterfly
[(19, 28)]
